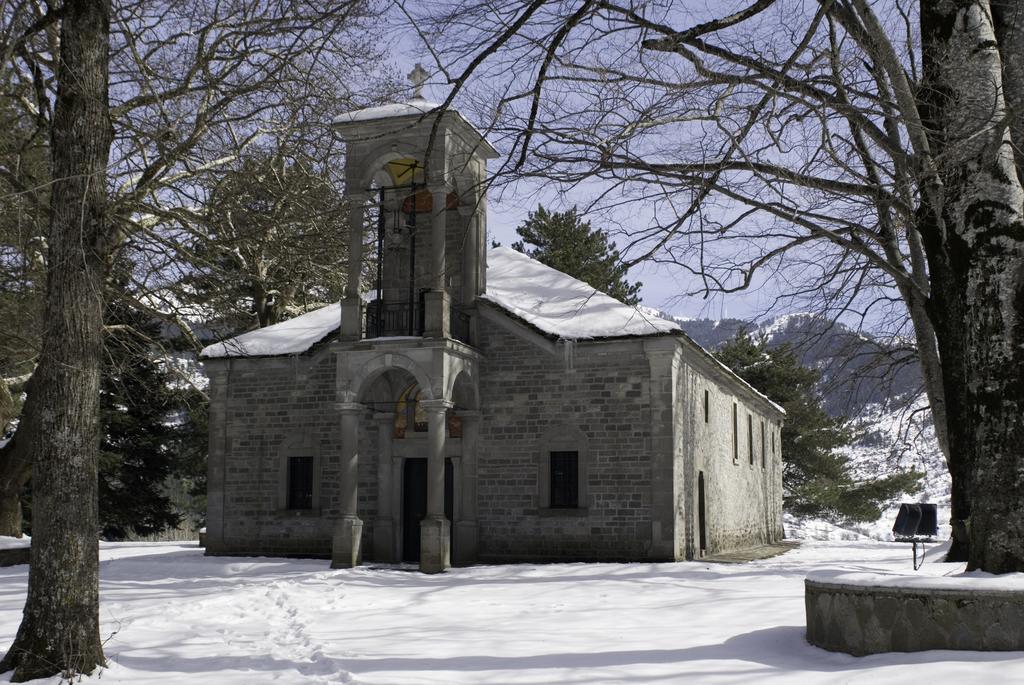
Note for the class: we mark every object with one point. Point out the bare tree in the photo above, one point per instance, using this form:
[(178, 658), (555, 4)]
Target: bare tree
[(60, 631), (196, 86), (868, 158), (231, 83), (138, 102)]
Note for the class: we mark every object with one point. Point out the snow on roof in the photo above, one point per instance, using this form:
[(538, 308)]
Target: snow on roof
[(417, 106), (561, 305), (567, 307), (547, 299), (293, 336)]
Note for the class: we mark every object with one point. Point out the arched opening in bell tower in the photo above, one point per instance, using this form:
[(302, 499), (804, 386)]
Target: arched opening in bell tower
[(425, 265), (401, 212)]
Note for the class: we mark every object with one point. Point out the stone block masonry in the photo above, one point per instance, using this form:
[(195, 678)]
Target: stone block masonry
[(871, 619), (532, 403)]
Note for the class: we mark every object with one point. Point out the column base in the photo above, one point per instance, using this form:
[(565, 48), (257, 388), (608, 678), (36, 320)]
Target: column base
[(348, 538), (436, 314), (466, 550), (435, 544), (384, 540), (351, 319)]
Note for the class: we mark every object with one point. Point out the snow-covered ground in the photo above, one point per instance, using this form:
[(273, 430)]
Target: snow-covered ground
[(171, 615), (887, 437)]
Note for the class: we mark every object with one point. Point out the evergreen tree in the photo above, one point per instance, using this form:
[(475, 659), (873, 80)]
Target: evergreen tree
[(816, 478), (563, 241), (149, 436)]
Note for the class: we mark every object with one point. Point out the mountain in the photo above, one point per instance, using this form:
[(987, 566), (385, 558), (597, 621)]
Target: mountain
[(857, 370)]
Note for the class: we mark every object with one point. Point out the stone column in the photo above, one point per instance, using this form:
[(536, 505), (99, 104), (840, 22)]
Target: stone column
[(466, 526), (471, 262), (438, 227), (435, 529), (351, 306), (436, 323), (383, 525), (348, 530)]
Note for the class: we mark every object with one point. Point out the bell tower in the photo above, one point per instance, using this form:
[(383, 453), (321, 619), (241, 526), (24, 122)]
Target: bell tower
[(415, 179), (417, 238)]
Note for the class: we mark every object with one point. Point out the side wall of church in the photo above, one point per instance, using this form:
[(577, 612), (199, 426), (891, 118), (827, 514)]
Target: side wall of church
[(742, 493), (534, 401), (262, 412)]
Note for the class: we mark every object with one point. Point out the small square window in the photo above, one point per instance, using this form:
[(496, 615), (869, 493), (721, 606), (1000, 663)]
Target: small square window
[(300, 482), (565, 493)]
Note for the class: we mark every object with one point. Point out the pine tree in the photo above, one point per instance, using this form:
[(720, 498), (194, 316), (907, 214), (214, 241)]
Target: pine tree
[(142, 427), (153, 433), (24, 196), (563, 241), (816, 478)]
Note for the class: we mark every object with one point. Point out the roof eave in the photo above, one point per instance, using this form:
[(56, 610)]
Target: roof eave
[(405, 120)]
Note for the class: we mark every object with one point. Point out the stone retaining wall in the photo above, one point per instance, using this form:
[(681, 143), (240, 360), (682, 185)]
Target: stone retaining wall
[(14, 556), (869, 619)]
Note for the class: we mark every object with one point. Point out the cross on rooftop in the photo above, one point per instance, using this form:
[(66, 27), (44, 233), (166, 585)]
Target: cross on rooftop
[(418, 76)]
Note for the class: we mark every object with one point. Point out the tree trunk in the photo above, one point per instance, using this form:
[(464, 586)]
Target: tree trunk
[(974, 238), (1008, 16), (59, 632), (932, 372)]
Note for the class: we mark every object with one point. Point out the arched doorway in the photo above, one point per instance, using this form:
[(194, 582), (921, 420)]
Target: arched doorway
[(419, 421), (410, 425), (414, 503), (702, 530)]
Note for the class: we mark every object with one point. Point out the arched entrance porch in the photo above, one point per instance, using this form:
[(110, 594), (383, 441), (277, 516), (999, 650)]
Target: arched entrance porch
[(425, 465)]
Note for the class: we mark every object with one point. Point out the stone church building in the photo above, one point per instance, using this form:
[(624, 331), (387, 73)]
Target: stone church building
[(466, 405)]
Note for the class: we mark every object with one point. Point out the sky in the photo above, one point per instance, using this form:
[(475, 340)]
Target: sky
[(664, 287)]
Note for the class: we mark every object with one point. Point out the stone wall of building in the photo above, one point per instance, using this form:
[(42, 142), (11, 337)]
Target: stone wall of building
[(271, 409), (535, 398), (743, 500), (633, 409)]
